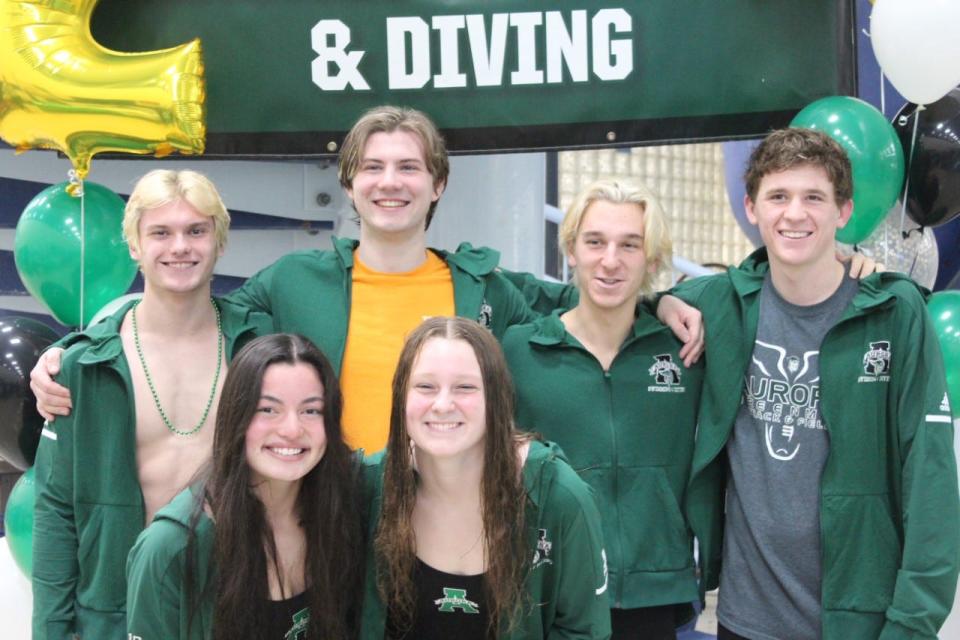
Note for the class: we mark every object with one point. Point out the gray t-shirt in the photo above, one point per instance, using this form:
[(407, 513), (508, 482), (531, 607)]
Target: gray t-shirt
[(770, 583)]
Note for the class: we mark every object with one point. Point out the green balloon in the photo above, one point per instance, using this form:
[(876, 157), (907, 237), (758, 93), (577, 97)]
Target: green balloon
[(944, 310), (18, 522), (47, 250), (875, 156)]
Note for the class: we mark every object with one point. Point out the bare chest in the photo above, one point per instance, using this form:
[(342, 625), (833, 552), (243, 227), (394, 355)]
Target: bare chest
[(175, 410)]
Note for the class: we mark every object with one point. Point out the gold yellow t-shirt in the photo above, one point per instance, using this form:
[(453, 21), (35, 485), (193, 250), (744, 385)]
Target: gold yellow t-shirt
[(384, 308)]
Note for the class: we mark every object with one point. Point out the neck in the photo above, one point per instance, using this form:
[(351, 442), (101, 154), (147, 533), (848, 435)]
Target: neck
[(453, 480), (175, 314), (601, 328), (392, 253), (279, 500), (809, 285)]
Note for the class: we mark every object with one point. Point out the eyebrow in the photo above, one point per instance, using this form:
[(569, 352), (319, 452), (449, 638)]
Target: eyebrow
[(629, 236), (416, 160), (270, 398)]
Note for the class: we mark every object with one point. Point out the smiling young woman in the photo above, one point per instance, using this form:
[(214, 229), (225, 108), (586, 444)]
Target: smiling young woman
[(267, 543), (477, 531)]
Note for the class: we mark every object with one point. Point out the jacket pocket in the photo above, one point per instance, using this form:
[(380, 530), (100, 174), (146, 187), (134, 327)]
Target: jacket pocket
[(655, 534), (861, 552), (105, 535)]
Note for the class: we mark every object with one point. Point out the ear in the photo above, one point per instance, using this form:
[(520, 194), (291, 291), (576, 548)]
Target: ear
[(846, 211), (438, 190), (134, 252), (748, 208)]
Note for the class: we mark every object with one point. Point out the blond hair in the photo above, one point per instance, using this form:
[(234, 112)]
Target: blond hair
[(160, 187), (657, 245)]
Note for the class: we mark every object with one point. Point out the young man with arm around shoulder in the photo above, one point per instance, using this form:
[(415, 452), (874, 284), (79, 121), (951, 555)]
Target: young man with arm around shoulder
[(145, 383), (358, 301), (824, 479)]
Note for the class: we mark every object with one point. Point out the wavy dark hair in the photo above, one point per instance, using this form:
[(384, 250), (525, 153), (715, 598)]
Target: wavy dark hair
[(502, 496), (327, 505), (785, 149)]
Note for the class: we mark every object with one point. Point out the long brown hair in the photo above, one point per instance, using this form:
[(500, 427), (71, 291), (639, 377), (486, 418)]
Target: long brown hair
[(327, 506), (502, 494)]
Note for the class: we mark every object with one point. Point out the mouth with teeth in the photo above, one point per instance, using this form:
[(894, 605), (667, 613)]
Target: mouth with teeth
[(391, 203), (796, 235), (443, 426), (180, 264), (285, 452)]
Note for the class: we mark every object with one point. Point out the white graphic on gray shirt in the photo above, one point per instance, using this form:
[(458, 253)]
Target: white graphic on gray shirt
[(777, 394)]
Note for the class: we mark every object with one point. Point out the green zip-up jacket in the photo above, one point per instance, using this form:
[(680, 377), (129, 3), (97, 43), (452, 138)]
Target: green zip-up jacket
[(889, 506), (629, 433), (308, 292), (567, 583), (89, 506), (157, 603)]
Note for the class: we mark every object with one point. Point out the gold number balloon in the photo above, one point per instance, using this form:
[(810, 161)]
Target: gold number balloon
[(59, 89)]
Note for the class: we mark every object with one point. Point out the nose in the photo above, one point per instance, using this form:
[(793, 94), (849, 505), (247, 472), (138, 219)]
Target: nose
[(180, 243), (610, 257), (443, 401), (795, 209), (389, 177), (290, 426)]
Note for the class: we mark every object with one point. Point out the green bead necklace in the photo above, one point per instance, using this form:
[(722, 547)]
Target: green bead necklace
[(153, 390)]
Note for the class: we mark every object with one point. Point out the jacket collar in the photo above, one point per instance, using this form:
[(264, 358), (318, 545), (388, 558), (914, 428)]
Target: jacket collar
[(873, 291), (477, 262), (549, 330), (104, 337), (106, 344)]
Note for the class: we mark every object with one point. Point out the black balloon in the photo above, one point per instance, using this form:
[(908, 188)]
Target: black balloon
[(21, 342), (933, 168)]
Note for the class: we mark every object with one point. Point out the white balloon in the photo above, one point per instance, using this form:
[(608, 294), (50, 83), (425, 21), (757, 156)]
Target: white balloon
[(918, 46), (16, 597)]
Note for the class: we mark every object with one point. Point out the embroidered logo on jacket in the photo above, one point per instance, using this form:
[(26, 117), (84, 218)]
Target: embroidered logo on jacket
[(542, 555), (666, 375), (945, 404), (486, 314), (876, 362), (454, 599)]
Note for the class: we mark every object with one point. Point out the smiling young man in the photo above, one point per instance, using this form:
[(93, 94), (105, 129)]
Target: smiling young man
[(606, 382), (358, 301), (824, 480), (146, 380)]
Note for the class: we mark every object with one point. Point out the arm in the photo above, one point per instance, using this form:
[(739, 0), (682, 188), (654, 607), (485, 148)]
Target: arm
[(927, 577), (55, 564), (255, 292), (686, 322), (154, 589), (542, 296), (583, 607)]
